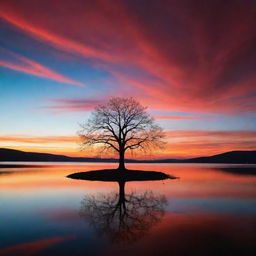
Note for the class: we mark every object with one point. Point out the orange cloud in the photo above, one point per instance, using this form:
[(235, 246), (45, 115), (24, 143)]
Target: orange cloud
[(189, 143), (181, 143), (211, 134), (39, 139)]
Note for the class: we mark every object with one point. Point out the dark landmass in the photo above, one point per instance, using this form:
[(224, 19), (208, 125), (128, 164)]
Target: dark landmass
[(13, 155), (21, 165), (239, 171), (232, 157), (120, 175), (237, 157)]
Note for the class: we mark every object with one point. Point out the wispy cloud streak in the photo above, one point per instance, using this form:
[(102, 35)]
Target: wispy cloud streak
[(29, 66), (72, 105), (205, 62), (39, 139), (176, 117)]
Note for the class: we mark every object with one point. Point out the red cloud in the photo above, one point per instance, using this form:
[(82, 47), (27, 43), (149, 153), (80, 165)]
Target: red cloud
[(176, 54)]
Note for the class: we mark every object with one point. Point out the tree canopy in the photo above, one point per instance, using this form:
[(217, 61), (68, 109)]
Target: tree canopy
[(121, 124)]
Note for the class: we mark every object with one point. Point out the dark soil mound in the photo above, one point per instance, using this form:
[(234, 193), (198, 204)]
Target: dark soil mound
[(120, 175)]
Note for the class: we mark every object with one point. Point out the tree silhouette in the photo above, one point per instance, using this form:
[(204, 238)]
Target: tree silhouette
[(121, 124), (123, 218)]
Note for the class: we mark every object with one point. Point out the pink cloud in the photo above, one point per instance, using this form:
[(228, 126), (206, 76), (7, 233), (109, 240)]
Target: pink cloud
[(72, 105), (34, 68), (176, 117), (185, 57)]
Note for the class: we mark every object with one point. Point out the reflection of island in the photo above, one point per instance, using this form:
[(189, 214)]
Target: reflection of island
[(123, 218)]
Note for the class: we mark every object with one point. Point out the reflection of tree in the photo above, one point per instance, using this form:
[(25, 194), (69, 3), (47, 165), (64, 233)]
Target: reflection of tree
[(124, 218)]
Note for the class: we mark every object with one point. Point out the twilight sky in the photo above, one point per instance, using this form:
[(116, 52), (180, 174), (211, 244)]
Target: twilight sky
[(193, 63)]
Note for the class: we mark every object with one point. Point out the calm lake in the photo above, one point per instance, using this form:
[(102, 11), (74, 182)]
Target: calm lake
[(209, 210)]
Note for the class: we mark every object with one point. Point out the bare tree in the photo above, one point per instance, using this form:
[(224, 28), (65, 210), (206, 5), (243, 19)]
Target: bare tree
[(121, 124)]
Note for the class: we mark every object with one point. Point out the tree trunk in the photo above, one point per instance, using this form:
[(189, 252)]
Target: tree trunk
[(121, 160), (121, 202), (121, 192)]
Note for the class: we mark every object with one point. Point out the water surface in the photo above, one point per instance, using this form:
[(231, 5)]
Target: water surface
[(209, 210)]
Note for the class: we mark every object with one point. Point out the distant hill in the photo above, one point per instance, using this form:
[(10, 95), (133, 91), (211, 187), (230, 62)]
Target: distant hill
[(232, 157), (239, 157), (17, 155)]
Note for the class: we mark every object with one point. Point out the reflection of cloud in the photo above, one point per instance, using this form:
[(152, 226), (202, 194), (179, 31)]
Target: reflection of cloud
[(3, 173), (123, 218), (62, 214), (188, 56), (196, 234), (31, 248)]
